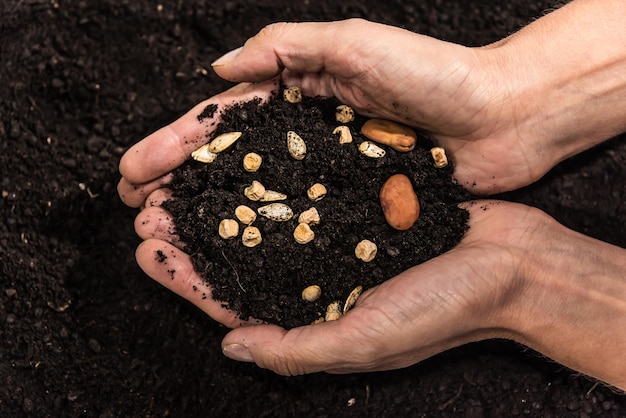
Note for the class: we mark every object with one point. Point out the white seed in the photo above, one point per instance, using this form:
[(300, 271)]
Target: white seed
[(366, 250), (272, 196), (296, 145), (369, 149), (255, 191), (311, 293), (203, 154), (345, 136), (245, 215), (439, 155), (224, 141), (333, 312), (251, 162), (352, 298), (303, 234), (316, 192), (276, 212), (251, 236), (229, 228), (310, 216), (292, 94), (344, 114)]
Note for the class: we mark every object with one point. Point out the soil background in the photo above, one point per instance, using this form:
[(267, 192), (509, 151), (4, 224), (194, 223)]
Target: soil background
[(84, 333)]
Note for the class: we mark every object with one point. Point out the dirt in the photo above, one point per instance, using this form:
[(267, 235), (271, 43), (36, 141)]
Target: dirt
[(266, 281), (85, 333)]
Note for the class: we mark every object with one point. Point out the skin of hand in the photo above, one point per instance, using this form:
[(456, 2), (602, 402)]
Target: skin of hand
[(502, 133)]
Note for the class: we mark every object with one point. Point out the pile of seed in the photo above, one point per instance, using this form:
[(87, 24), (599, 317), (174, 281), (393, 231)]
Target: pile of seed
[(294, 207)]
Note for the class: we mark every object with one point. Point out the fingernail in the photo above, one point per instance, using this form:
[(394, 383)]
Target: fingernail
[(227, 57), (237, 352)]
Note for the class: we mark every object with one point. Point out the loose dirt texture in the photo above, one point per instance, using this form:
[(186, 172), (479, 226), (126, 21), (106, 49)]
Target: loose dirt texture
[(83, 332), (265, 282)]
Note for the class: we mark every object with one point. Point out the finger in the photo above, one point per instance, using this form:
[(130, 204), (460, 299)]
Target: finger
[(156, 222), (171, 145), (134, 195), (173, 269), (157, 197)]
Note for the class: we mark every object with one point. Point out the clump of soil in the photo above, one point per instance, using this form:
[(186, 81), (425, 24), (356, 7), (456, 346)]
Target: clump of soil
[(265, 282)]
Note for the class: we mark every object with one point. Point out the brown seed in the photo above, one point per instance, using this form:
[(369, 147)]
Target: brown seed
[(366, 250), (310, 216), (292, 94), (333, 312), (352, 298), (397, 136), (399, 202), (316, 192), (439, 156), (228, 228), (255, 191), (251, 236), (312, 293), (303, 234), (344, 114), (245, 214), (251, 162)]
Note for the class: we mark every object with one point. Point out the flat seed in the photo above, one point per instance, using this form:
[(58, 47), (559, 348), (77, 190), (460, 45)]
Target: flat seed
[(311, 293), (272, 196), (310, 216), (369, 149), (245, 214), (255, 191), (352, 298), (316, 192), (251, 162), (397, 136), (293, 94), (366, 250), (228, 228), (203, 154), (439, 156), (251, 236), (303, 234), (333, 312), (344, 114), (223, 141), (400, 204), (345, 136), (296, 146), (276, 212)]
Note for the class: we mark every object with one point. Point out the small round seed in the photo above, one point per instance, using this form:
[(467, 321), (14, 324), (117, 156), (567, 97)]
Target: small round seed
[(310, 216), (333, 312), (251, 162), (397, 136), (303, 234), (228, 228), (352, 298), (366, 250), (311, 293), (293, 94), (276, 212), (251, 236), (223, 141), (400, 204), (369, 149), (345, 136), (296, 146), (245, 214), (344, 114), (203, 154), (255, 191), (317, 192), (439, 155)]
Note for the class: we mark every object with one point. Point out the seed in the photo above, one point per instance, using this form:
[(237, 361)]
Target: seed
[(309, 216), (229, 228), (292, 94), (203, 154), (333, 312), (318, 321), (276, 212), (366, 250), (344, 114), (224, 141), (311, 293), (352, 298), (397, 136), (316, 192), (251, 162), (439, 155), (255, 191), (296, 145), (272, 196), (399, 202), (245, 215), (251, 236), (345, 136), (369, 149), (303, 234)]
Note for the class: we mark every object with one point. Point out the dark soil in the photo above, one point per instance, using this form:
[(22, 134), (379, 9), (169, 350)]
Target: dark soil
[(266, 282), (83, 332)]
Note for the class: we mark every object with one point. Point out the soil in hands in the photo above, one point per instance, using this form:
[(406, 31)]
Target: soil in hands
[(265, 282)]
